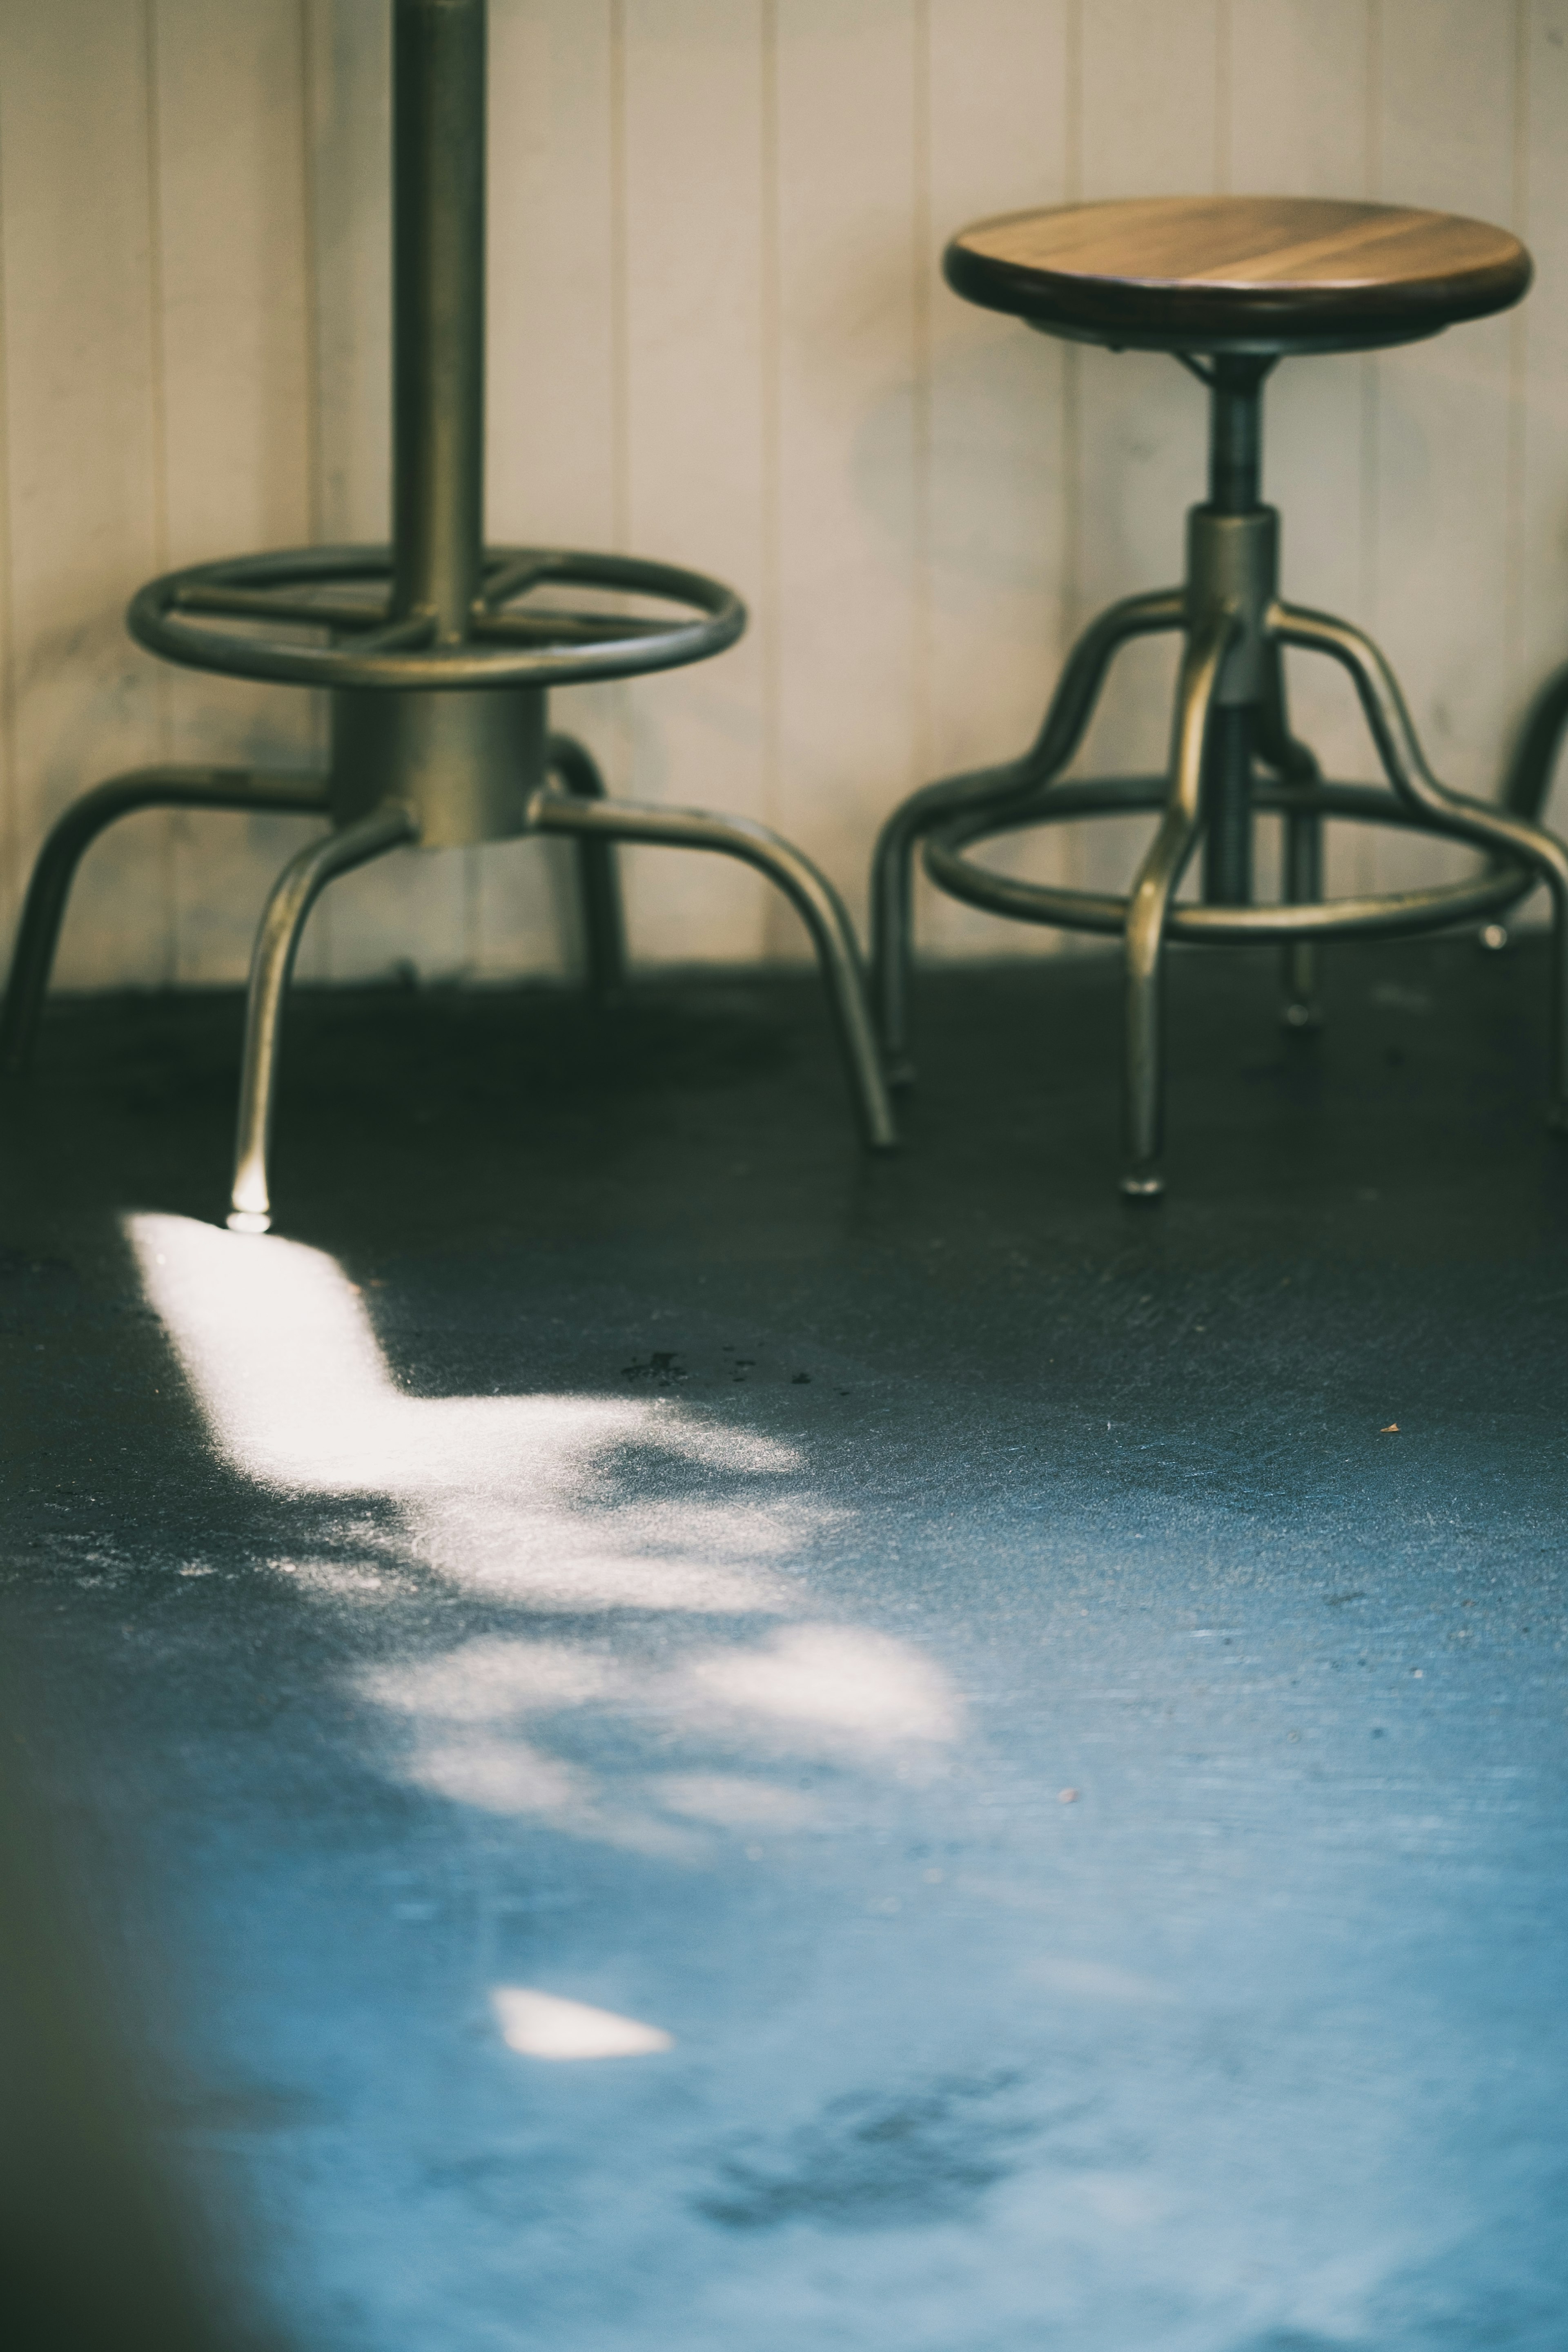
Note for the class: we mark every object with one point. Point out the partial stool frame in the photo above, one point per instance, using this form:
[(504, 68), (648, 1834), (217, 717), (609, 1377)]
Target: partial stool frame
[(437, 672), (1231, 710)]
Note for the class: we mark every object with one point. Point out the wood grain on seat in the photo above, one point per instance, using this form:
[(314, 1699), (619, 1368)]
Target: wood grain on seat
[(1204, 271)]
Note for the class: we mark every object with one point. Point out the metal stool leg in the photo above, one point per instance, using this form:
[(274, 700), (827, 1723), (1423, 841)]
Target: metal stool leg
[(598, 878), (1071, 709), (1489, 828), (814, 897), (294, 893), (1157, 878), (1530, 772), (1300, 1009), (1535, 757), (1303, 876), (44, 910)]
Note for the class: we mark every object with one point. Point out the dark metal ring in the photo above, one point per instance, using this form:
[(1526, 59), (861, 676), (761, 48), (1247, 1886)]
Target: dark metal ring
[(376, 648), (1500, 884)]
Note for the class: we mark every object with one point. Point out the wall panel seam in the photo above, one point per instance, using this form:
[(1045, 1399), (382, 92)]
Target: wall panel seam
[(619, 320), (1070, 455), (10, 781), (162, 710), (315, 386), (921, 603), (1518, 366), (771, 355), (311, 269)]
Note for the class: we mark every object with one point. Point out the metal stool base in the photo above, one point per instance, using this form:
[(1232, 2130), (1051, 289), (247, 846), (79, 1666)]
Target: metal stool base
[(947, 819), (570, 799), (436, 661), (1229, 717)]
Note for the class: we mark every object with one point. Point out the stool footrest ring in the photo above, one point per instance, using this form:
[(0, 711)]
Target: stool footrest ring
[(347, 594), (1384, 915)]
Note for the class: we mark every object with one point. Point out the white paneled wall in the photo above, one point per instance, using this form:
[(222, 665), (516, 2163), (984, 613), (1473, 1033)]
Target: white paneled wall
[(718, 335)]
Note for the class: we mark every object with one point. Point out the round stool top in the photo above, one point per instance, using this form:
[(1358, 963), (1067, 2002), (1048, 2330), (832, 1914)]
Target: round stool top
[(1239, 273)]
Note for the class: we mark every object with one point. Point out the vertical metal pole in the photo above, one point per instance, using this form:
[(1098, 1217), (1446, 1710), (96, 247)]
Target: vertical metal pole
[(1236, 433), (1227, 802), (1235, 467), (1304, 886), (1303, 876), (438, 307)]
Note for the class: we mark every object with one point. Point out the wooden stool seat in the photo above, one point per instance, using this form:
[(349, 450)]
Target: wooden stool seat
[(1239, 273)]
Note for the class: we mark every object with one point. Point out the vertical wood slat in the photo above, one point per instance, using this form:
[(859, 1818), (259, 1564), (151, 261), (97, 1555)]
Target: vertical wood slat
[(235, 338), (1443, 427), (14, 840), (847, 603), (1300, 124), (346, 147), (696, 460), (412, 909), (717, 334), (1540, 551), (81, 395), (998, 495), (1299, 127), (1150, 126), (551, 401)]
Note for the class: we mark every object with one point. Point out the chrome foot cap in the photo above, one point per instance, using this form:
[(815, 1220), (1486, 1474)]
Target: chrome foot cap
[(248, 1221), (1300, 1016), (1143, 1184)]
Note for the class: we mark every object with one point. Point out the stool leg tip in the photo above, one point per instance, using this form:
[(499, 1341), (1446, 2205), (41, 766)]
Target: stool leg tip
[(248, 1221), (1300, 1016), (1142, 1185)]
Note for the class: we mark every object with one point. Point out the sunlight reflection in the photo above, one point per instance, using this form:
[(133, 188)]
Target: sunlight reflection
[(277, 1343), (489, 1679), (532, 1502), (278, 1346), (823, 1684), (542, 2025), (732, 1800)]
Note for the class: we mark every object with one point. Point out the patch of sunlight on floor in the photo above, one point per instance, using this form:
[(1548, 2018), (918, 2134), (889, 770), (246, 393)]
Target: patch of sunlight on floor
[(526, 1500), (543, 2025)]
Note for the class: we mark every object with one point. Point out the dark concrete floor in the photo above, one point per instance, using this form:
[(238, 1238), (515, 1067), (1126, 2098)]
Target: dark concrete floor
[(1073, 1793)]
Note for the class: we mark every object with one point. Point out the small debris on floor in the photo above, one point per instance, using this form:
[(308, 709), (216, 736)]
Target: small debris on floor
[(662, 1365)]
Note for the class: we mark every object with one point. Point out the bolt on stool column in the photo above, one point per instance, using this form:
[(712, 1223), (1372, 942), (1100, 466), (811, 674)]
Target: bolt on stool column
[(1229, 287), (437, 669)]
